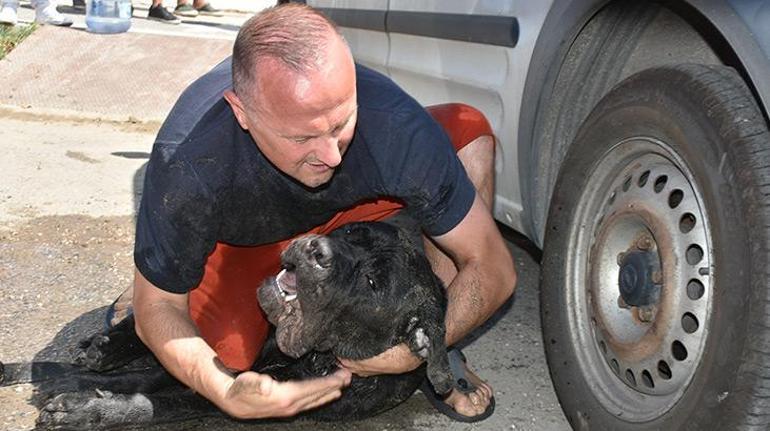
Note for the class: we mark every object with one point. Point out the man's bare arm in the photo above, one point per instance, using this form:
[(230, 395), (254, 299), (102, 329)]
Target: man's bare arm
[(164, 325), (486, 276)]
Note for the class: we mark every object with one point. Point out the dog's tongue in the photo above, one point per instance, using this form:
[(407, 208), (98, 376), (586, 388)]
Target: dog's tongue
[(287, 281)]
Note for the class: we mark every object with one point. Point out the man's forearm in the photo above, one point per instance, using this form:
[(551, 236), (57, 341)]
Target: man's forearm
[(172, 336)]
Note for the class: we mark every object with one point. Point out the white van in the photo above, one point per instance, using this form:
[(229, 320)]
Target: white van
[(633, 147)]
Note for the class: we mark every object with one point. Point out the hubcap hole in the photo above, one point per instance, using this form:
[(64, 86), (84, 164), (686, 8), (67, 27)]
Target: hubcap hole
[(678, 350), (647, 379), (627, 184), (603, 346), (694, 254), (615, 366), (630, 377), (663, 370), (695, 289), (689, 323), (660, 183), (687, 223), (643, 178), (675, 198)]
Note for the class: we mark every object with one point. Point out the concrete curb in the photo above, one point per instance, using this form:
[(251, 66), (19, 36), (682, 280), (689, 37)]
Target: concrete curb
[(62, 115)]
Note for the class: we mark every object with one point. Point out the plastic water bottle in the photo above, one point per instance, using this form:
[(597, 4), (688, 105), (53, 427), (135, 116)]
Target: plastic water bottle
[(108, 16)]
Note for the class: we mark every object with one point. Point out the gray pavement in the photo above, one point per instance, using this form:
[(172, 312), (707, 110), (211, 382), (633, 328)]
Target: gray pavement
[(75, 150), (134, 76)]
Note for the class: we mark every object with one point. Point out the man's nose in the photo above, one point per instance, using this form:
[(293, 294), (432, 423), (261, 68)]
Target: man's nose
[(329, 152)]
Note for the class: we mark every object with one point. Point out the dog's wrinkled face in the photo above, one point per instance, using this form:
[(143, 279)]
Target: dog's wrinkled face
[(360, 272)]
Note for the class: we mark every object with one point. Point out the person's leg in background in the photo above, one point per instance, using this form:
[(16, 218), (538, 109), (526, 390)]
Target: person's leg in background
[(159, 13), (45, 13), (8, 14), (198, 7)]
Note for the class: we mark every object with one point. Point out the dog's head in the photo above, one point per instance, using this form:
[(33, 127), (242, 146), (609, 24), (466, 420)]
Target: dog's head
[(359, 273)]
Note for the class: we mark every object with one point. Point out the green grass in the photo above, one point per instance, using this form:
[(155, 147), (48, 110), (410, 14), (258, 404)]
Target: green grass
[(10, 36)]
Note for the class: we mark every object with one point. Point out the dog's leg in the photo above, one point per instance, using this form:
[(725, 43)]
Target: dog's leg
[(426, 340), (97, 409), (112, 349), (146, 379), (92, 400)]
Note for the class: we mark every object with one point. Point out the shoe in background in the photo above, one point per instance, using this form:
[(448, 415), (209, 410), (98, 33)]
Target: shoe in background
[(46, 13), (8, 13), (160, 13)]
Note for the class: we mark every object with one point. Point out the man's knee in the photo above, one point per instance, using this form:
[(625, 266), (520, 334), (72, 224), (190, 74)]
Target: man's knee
[(478, 158), (471, 135)]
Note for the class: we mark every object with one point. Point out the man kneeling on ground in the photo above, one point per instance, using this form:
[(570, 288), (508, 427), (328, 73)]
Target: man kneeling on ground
[(291, 136)]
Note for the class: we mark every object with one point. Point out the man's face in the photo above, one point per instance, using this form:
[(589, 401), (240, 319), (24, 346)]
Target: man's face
[(303, 123)]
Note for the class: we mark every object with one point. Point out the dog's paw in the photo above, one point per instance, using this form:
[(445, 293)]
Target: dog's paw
[(94, 410), (91, 352), (112, 349)]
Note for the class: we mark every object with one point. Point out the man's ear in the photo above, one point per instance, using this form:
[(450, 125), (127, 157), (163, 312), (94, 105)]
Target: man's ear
[(238, 108)]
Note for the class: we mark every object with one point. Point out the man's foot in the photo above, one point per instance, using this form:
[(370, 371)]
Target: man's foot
[(46, 13), (159, 13), (185, 10), (8, 15), (471, 400), (120, 308), (471, 404), (209, 10)]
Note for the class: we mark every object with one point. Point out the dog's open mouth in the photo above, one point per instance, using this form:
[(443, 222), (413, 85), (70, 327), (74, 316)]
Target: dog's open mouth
[(287, 285)]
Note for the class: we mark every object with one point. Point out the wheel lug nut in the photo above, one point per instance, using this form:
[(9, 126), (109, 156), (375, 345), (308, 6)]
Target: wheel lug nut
[(644, 243), (646, 314)]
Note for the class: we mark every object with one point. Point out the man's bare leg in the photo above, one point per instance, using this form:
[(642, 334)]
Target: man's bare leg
[(478, 158)]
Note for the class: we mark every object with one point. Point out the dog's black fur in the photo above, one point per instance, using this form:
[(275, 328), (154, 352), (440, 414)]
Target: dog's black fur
[(360, 290)]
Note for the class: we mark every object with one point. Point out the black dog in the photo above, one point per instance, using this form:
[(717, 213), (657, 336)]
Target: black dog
[(352, 294)]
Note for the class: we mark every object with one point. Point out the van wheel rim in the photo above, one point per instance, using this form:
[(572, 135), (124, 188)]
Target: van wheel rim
[(642, 267)]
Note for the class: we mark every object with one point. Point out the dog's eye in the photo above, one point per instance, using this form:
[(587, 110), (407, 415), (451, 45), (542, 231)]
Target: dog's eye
[(371, 282)]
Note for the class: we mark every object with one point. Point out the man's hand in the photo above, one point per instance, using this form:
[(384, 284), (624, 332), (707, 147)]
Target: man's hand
[(396, 360), (252, 395)]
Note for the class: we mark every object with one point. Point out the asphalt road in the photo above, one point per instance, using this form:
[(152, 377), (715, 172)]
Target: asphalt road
[(67, 196)]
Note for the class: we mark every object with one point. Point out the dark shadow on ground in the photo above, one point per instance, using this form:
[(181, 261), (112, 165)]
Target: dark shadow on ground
[(522, 242), (229, 27), (62, 349), (65, 342)]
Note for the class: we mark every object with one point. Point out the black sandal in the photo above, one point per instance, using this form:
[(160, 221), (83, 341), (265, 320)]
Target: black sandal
[(461, 383)]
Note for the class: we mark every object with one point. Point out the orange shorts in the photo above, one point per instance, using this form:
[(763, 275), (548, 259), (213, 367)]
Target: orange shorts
[(224, 305)]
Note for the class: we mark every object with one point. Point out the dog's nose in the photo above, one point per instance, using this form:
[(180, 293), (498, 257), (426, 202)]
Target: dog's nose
[(318, 249)]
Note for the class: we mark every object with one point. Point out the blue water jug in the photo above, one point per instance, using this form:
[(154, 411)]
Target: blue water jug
[(108, 16)]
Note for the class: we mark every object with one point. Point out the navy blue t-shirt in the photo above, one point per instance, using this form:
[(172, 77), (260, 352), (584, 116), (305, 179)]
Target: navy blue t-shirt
[(207, 181)]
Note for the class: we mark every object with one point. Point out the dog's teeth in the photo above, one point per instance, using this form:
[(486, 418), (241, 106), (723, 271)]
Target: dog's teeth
[(288, 298)]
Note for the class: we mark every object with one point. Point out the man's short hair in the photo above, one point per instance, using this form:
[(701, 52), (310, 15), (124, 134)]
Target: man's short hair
[(295, 34)]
